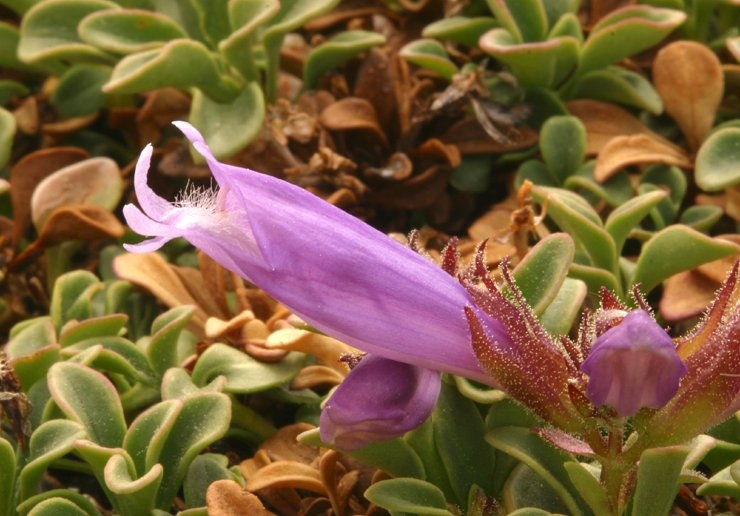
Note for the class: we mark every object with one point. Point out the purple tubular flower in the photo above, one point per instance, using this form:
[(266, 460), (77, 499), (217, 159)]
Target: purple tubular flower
[(380, 400), (340, 275), (633, 365)]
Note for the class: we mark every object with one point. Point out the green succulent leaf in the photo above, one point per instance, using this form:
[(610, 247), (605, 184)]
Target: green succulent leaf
[(539, 64), (625, 32), (473, 174), (74, 497), (50, 441), (229, 127), (180, 63), (595, 278), (202, 472), (19, 6), (134, 495), (49, 33), (717, 160), (408, 496), (292, 14), (213, 19), (659, 259), (545, 460), (201, 419), (524, 493), (127, 31), (7, 478), (246, 16), (526, 20), (97, 457), (7, 134), (566, 25), (144, 438), (589, 487), (560, 315), (396, 457), (459, 29), (458, 438), (11, 89), (243, 373), (563, 145), (88, 397), (725, 482), (9, 40), (429, 54), (183, 12), (614, 191), (575, 216), (535, 171), (177, 384), (558, 9), (79, 92), (701, 218), (658, 479), (165, 348), (93, 328), (617, 85), (72, 297), (624, 218), (336, 51), (542, 271), (57, 506)]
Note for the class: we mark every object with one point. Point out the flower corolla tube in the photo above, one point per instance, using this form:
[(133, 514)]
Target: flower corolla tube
[(339, 274)]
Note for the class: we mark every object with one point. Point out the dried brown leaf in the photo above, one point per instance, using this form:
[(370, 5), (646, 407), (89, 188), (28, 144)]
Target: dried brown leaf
[(687, 294), (640, 149), (227, 498), (689, 79), (326, 349), (316, 376), (287, 474), (604, 121), (353, 114), (152, 272), (94, 181), (470, 138), (70, 125), (378, 81), (28, 172), (161, 107), (27, 116)]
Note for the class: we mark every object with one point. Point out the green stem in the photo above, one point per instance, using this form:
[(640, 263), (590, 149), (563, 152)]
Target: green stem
[(250, 421)]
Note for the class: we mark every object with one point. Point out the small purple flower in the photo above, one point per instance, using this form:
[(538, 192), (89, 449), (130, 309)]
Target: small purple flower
[(633, 365), (380, 400), (339, 274)]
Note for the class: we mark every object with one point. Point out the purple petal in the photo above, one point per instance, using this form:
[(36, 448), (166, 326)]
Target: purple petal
[(380, 400), (339, 274), (152, 204), (633, 365)]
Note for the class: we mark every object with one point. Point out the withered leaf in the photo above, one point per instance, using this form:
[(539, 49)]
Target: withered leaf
[(640, 149), (689, 79)]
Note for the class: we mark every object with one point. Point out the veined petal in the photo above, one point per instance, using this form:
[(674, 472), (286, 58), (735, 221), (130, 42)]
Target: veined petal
[(339, 274), (379, 400)]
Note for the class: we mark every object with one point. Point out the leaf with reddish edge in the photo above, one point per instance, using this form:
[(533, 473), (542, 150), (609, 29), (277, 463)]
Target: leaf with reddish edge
[(710, 391), (565, 441), (530, 369)]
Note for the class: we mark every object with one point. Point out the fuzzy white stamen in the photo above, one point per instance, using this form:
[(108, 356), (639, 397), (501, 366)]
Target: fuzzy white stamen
[(198, 197)]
